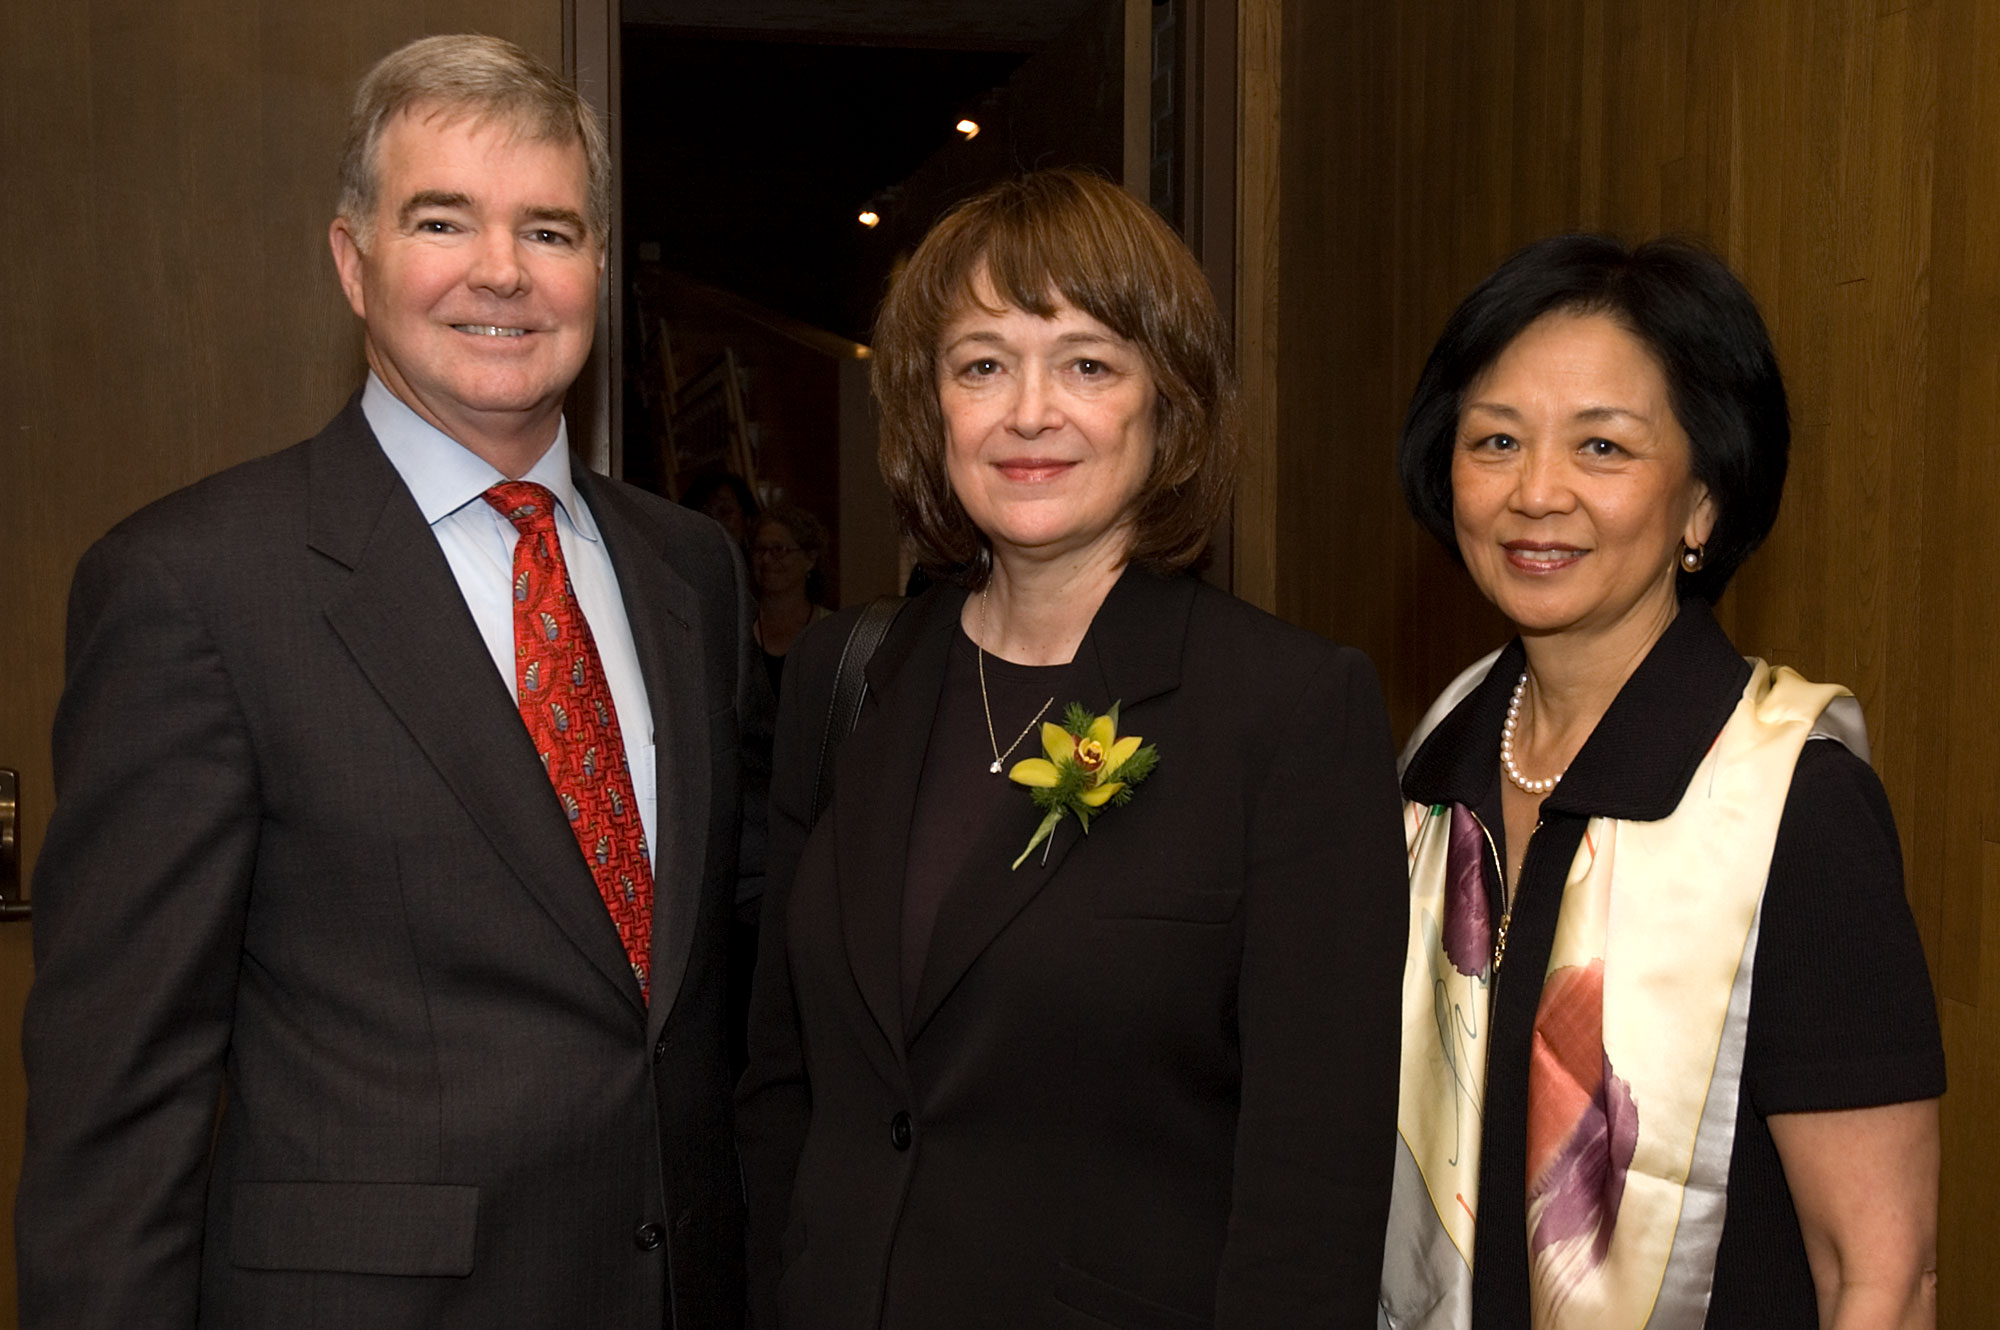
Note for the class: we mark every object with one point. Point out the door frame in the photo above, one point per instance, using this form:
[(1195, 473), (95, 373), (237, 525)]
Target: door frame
[(1259, 27), (596, 404)]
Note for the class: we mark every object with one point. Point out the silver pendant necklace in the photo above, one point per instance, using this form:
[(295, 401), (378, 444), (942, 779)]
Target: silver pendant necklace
[(999, 758)]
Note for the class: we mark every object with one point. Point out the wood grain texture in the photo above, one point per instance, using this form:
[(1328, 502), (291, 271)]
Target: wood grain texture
[(1254, 524), (1841, 154), (172, 309), (1137, 59)]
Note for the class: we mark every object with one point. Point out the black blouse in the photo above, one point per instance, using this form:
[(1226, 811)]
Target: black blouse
[(1841, 1011), (959, 795)]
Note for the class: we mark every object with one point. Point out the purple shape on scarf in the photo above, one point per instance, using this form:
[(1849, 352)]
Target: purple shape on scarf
[(1468, 919), (1583, 1128), (1584, 1184)]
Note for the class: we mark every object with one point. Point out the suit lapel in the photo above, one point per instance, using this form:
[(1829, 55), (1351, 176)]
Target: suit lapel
[(400, 614), (660, 606), (1131, 655), (875, 787)]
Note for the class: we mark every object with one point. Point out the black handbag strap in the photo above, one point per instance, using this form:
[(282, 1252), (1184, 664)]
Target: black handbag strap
[(850, 689)]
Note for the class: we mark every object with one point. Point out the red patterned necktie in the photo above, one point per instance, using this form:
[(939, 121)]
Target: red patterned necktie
[(566, 705)]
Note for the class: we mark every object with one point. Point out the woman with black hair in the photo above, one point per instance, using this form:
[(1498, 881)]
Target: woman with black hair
[(1669, 1050), (725, 497)]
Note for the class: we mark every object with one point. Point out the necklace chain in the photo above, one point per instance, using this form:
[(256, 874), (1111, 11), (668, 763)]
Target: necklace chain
[(1000, 758), (1531, 785)]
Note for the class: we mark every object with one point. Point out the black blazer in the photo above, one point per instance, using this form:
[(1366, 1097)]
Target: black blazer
[(303, 848), (1150, 1082)]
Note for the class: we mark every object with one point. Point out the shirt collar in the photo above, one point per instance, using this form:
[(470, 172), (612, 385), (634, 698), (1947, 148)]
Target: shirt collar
[(1636, 763), (444, 475)]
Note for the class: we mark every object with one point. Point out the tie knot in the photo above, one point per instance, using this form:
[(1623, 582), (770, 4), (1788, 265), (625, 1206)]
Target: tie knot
[(530, 507)]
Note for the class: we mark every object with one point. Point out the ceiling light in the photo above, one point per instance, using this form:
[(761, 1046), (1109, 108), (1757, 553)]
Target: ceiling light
[(969, 128), (868, 219)]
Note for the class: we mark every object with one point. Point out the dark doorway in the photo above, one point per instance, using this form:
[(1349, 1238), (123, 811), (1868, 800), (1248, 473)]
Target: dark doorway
[(755, 134)]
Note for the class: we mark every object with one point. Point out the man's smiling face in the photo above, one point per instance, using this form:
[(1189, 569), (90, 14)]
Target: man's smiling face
[(477, 277)]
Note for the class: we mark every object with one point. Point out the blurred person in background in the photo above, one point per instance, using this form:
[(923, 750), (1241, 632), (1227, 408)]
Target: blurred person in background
[(725, 497), (786, 549)]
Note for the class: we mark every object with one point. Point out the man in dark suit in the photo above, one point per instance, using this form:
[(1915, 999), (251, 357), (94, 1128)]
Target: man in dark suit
[(397, 814)]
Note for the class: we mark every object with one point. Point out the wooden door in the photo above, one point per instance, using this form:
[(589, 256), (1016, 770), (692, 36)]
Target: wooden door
[(171, 308)]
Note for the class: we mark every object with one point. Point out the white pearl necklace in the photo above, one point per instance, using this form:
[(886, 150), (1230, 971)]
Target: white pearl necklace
[(1507, 746)]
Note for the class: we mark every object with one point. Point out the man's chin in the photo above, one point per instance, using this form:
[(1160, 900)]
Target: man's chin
[(497, 396)]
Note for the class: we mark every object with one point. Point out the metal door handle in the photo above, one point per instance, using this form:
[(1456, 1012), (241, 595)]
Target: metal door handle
[(11, 905)]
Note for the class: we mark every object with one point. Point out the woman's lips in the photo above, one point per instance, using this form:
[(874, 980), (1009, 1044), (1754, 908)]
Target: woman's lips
[(1541, 557), (1031, 470)]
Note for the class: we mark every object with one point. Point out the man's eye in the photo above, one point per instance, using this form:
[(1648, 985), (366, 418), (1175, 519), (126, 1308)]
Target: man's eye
[(436, 226), (548, 237)]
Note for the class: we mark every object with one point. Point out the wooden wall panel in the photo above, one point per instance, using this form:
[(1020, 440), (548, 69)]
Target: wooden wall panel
[(171, 306), (1844, 155), (1253, 531)]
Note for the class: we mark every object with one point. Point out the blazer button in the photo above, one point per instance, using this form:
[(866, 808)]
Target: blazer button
[(899, 1131), (659, 1052), (649, 1237)]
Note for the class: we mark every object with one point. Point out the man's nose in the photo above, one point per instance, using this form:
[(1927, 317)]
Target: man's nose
[(496, 264)]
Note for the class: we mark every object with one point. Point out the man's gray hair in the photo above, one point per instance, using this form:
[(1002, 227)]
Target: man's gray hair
[(469, 75)]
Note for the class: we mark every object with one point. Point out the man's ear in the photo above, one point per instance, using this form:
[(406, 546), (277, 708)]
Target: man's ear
[(349, 262)]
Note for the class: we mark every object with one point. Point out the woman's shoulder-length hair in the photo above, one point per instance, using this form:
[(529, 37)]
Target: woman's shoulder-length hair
[(1041, 241), (1702, 327)]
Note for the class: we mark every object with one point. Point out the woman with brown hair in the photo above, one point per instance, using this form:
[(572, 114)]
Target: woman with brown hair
[(1004, 1073)]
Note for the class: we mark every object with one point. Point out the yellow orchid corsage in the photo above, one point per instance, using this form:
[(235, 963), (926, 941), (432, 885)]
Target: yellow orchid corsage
[(1088, 768)]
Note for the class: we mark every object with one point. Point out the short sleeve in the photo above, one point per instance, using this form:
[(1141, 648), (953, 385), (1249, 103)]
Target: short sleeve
[(1841, 1010)]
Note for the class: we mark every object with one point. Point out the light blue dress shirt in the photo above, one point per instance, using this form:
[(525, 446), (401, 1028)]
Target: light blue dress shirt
[(448, 480)]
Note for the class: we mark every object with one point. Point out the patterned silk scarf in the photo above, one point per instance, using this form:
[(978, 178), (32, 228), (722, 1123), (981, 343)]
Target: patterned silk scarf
[(1637, 1054)]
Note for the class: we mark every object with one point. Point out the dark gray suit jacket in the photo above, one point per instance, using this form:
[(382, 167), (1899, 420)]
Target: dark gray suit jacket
[(303, 849)]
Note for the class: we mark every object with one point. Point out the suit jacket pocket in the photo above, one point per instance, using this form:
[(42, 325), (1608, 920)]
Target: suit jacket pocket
[(793, 1241), (362, 1228), (1107, 1304), (1155, 900), (795, 1307)]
